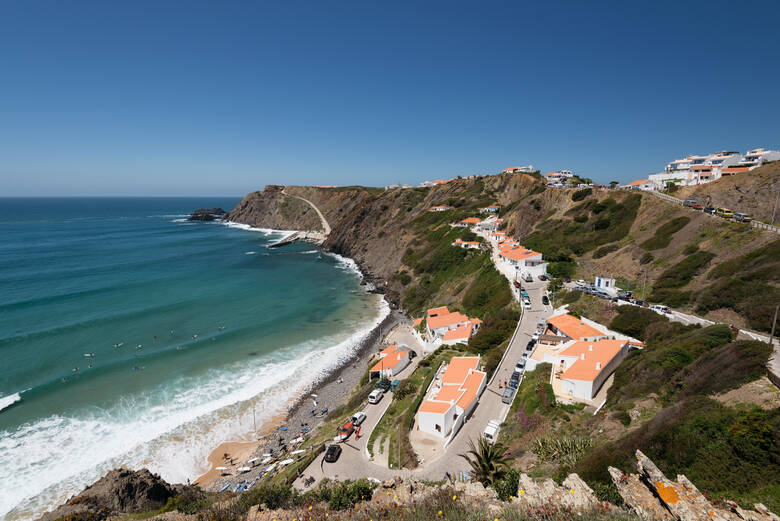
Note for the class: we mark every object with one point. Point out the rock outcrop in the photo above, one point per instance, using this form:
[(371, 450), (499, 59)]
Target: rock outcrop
[(651, 494), (119, 491), (207, 214)]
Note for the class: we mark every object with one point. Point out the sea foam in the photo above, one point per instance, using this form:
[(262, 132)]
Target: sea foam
[(170, 430)]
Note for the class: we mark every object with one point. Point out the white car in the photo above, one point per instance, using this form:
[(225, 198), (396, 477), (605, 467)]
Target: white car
[(660, 309), (491, 431), (375, 396), (526, 304), (358, 418)]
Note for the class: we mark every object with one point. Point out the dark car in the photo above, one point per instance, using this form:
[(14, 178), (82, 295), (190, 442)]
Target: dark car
[(514, 382), (709, 210), (545, 300), (412, 355), (542, 277), (567, 279), (332, 454), (384, 384), (531, 344)]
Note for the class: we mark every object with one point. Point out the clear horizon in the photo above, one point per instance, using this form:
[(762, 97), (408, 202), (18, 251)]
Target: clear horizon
[(149, 99)]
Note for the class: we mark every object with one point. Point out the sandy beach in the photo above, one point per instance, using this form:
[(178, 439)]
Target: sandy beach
[(332, 390)]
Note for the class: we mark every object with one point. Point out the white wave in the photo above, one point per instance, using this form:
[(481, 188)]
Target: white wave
[(250, 252), (311, 252), (345, 263), (183, 220), (7, 401), (169, 215), (266, 231), (170, 430)]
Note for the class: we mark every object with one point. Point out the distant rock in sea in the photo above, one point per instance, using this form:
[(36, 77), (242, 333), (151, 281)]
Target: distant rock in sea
[(207, 214)]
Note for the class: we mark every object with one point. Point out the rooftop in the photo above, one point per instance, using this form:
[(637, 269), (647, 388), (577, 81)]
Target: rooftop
[(458, 369), (597, 355), (449, 319), (573, 327)]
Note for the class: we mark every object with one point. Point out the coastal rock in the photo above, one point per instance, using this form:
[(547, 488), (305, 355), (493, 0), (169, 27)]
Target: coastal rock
[(652, 495), (207, 214), (119, 491), (574, 493)]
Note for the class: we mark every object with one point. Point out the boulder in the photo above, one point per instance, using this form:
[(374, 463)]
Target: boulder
[(573, 493), (207, 214), (119, 491)]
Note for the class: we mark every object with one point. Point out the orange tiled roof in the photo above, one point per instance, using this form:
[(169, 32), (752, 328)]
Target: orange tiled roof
[(637, 182), (585, 370), (461, 241), (435, 407), (519, 253), (734, 170), (391, 349), (438, 311), (573, 327), (390, 361), (449, 319), (702, 167), (458, 369), (417, 322), (459, 333), (471, 385), (471, 220)]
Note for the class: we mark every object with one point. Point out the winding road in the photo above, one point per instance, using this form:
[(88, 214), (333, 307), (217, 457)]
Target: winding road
[(325, 225)]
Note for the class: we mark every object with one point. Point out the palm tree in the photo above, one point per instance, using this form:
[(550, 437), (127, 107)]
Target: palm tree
[(487, 461)]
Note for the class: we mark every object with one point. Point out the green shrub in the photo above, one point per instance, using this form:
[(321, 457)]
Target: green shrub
[(671, 297), (404, 278), (349, 493), (683, 272), (581, 218), (506, 487), (646, 258), (633, 320), (579, 195), (604, 250), (690, 249), (663, 235), (565, 449), (623, 417)]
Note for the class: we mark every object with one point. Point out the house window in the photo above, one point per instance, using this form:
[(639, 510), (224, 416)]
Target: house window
[(455, 417), (438, 427)]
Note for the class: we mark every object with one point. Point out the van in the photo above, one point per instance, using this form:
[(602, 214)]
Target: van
[(742, 217), (375, 396), (491, 431), (528, 278), (508, 395), (724, 212), (689, 202)]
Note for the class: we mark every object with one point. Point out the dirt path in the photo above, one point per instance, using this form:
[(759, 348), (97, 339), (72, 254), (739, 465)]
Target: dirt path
[(325, 225)]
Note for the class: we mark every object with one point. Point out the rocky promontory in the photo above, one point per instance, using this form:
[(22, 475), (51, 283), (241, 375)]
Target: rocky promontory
[(207, 214)]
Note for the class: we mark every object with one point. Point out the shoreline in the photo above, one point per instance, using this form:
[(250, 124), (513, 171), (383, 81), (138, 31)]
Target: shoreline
[(333, 389)]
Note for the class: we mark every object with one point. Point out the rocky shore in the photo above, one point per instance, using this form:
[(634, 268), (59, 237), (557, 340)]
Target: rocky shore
[(207, 214)]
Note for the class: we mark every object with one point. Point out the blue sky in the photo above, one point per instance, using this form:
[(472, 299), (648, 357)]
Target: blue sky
[(220, 98)]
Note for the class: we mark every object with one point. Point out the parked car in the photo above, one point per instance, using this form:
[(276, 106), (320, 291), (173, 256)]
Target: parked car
[(508, 395), (384, 384), (375, 396), (333, 453), (542, 277), (742, 217), (660, 308), (545, 300), (514, 381), (520, 366), (640, 303), (358, 418), (709, 209), (491, 431), (724, 212), (689, 202), (528, 278), (345, 431), (535, 336), (566, 279), (697, 206), (531, 344), (526, 304)]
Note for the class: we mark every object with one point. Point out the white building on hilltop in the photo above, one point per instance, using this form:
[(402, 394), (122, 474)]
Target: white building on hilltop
[(696, 170), (528, 169), (558, 177), (759, 156)]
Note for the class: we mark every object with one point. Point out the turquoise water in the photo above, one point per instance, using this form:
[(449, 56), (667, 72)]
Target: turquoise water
[(211, 324)]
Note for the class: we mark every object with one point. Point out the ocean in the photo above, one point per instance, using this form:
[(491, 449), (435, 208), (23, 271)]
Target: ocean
[(132, 337)]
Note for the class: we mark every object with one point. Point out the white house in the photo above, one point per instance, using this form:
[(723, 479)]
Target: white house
[(528, 169), (582, 367), (392, 360), (759, 156), (523, 259), (467, 245), (606, 285), (490, 225), (440, 321), (559, 176), (468, 222), (490, 209), (454, 397), (440, 208), (642, 184)]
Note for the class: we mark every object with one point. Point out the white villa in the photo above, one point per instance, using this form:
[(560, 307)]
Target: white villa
[(467, 245), (450, 327), (642, 184), (759, 156), (468, 222), (490, 209), (583, 354), (528, 169), (454, 396), (524, 260), (392, 360), (695, 170), (559, 176), (440, 208), (490, 224)]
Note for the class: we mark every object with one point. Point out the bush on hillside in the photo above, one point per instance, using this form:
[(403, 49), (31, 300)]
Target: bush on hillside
[(605, 250), (579, 195), (726, 452), (683, 272), (646, 258), (663, 235), (671, 297), (633, 320)]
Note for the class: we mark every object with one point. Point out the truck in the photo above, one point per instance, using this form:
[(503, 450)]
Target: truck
[(491, 431)]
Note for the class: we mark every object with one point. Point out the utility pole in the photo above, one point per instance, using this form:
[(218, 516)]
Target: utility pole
[(774, 209), (399, 446), (772, 334), (644, 284)]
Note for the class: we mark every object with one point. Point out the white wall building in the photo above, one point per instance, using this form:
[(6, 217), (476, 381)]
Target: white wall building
[(606, 285), (528, 169), (559, 176), (759, 156), (454, 396), (392, 360)]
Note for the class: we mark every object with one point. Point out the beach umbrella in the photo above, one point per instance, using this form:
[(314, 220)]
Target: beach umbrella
[(297, 452), (243, 469), (282, 428), (220, 468), (253, 460), (286, 462)]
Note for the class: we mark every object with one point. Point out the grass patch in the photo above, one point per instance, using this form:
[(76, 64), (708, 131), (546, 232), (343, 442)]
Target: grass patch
[(664, 233)]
